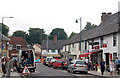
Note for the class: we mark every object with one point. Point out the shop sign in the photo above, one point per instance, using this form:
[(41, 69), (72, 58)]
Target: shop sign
[(97, 47), (104, 45)]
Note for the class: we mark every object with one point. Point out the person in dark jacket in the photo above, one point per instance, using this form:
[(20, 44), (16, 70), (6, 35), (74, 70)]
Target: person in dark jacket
[(102, 65), (3, 66)]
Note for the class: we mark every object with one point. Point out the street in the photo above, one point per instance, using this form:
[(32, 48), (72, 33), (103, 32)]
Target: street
[(42, 70)]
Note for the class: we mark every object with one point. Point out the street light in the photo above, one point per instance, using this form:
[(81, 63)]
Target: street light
[(2, 34), (80, 32)]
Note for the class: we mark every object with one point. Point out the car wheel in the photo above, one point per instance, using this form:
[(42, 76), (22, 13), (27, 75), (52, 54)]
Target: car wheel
[(86, 72), (68, 71)]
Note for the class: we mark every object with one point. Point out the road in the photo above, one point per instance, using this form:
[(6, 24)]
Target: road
[(42, 70)]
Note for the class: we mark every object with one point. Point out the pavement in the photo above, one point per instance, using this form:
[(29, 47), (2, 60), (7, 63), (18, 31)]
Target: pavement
[(13, 74), (106, 74)]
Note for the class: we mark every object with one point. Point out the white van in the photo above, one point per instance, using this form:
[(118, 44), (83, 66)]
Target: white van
[(29, 57), (48, 59)]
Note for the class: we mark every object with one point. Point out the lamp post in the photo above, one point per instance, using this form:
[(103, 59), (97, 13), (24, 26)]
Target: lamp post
[(80, 32), (2, 34)]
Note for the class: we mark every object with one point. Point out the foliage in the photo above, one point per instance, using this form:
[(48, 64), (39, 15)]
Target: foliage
[(61, 34), (72, 34), (5, 29), (89, 26), (36, 35), (19, 33)]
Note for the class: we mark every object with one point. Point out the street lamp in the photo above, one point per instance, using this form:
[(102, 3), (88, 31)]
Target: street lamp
[(2, 34), (80, 32)]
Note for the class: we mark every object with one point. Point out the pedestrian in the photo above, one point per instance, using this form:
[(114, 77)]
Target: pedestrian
[(96, 64), (8, 67), (89, 66), (3, 66), (12, 63), (112, 65), (102, 65), (117, 62)]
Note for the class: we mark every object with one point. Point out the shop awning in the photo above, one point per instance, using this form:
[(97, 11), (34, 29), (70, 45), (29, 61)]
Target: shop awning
[(86, 54)]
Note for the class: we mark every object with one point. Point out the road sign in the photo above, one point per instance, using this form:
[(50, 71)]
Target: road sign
[(26, 70)]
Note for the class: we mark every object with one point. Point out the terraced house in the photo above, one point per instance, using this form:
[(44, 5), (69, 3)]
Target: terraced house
[(102, 42)]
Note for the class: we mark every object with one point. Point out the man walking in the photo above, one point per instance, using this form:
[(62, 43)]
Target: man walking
[(8, 67), (102, 65)]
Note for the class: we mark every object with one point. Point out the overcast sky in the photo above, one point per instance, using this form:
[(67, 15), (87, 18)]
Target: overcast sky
[(50, 14)]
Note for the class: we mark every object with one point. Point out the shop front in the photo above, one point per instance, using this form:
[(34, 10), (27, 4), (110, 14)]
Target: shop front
[(94, 56)]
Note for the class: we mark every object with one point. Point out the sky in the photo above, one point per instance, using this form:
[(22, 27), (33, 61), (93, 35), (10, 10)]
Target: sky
[(50, 14)]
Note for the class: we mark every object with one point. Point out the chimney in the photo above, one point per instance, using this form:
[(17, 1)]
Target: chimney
[(105, 15), (55, 38)]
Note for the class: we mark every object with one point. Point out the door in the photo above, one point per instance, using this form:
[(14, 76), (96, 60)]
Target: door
[(107, 60)]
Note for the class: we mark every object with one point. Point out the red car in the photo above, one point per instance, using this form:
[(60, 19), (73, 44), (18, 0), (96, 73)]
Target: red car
[(57, 64)]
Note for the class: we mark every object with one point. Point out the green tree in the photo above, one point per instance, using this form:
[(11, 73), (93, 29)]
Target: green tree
[(36, 35), (72, 34), (5, 29), (20, 33), (89, 26), (61, 34)]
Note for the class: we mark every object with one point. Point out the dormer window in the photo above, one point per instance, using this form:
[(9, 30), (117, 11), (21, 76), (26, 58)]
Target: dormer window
[(18, 46), (28, 46)]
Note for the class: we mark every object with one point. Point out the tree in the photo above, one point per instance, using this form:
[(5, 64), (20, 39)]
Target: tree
[(36, 35), (19, 33), (61, 34), (89, 26), (5, 29), (72, 34)]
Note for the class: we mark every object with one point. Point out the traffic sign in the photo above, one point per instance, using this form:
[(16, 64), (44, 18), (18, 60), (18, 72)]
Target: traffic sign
[(26, 70)]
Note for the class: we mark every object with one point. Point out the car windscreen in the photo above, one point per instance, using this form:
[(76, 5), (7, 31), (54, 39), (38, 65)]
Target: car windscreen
[(80, 62)]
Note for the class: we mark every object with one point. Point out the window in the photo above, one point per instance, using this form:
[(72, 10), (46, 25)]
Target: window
[(85, 45), (68, 47), (115, 39), (101, 44), (73, 45), (80, 45), (18, 47), (10, 47), (65, 48), (92, 44), (53, 51)]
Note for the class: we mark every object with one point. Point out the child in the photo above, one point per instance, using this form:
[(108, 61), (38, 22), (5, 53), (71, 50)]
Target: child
[(112, 65)]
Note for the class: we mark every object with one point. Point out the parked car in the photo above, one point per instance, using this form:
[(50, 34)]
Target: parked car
[(47, 59), (77, 66), (29, 58), (51, 62), (58, 64)]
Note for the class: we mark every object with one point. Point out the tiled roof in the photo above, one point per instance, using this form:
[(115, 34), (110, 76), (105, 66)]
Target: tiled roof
[(18, 40), (108, 26), (4, 37), (52, 44)]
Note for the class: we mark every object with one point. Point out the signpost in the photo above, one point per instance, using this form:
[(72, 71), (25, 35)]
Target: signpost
[(26, 70)]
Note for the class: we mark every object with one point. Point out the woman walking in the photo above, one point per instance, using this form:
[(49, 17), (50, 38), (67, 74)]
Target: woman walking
[(3, 66), (112, 65), (102, 65)]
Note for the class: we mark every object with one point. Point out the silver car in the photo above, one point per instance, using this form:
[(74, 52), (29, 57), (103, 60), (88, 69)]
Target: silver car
[(77, 66)]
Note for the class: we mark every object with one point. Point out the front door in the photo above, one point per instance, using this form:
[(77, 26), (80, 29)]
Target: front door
[(107, 60)]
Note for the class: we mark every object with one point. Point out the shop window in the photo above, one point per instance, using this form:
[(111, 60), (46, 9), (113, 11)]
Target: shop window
[(115, 39)]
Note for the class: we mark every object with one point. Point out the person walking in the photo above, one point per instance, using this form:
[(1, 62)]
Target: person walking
[(3, 66), (112, 65), (102, 65), (8, 67), (117, 61)]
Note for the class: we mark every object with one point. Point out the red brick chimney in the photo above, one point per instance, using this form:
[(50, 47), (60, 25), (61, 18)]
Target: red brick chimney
[(55, 38), (105, 15)]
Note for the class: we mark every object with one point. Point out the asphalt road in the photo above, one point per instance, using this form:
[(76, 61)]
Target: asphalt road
[(45, 71)]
